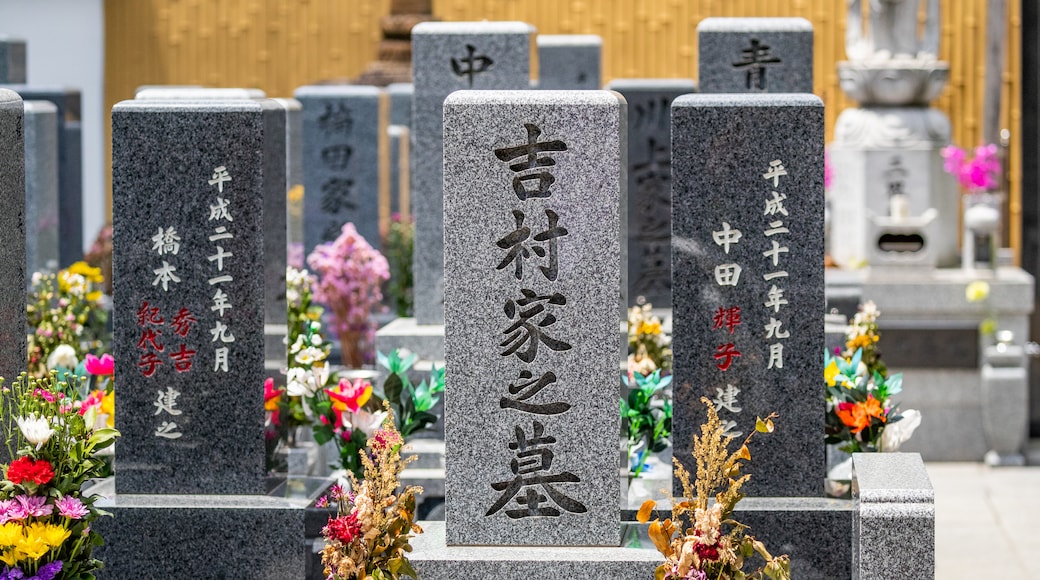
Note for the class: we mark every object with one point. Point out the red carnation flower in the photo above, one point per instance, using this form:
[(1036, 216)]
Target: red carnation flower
[(26, 469), (345, 528), (710, 553)]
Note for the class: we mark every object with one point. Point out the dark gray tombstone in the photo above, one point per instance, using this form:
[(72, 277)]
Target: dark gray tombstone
[(293, 168), (41, 186), (650, 186), (755, 55), (12, 61), (276, 189), (446, 57), (341, 125), (534, 248), (399, 133), (748, 288), (569, 61), (400, 103), (12, 235)]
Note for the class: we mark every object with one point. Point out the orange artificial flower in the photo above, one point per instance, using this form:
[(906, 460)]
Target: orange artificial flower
[(858, 415)]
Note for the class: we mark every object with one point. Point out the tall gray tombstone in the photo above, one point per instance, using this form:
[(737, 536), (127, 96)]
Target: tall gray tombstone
[(398, 133), (341, 125), (41, 186), (191, 182), (569, 61), (293, 169), (401, 103), (748, 289), (755, 55), (276, 191), (446, 57), (534, 193), (12, 61), (12, 235), (650, 185), (69, 223)]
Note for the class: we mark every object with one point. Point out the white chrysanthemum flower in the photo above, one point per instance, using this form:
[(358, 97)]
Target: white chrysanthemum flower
[(35, 430), (292, 296), (63, 356), (366, 421), (309, 356), (298, 345), (299, 383)]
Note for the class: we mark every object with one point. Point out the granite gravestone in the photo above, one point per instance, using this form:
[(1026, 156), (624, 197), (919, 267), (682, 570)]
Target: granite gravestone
[(650, 186), (755, 55), (12, 235), (569, 61), (533, 219), (398, 134), (275, 212), (41, 186), (188, 317), (293, 169), (190, 93), (747, 268), (69, 167), (190, 182), (341, 125), (400, 103), (446, 57), (12, 61)]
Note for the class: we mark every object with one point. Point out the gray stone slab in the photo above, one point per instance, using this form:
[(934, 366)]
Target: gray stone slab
[(70, 163), (569, 62), (399, 137), (755, 55), (12, 235), (434, 560), (424, 340), (341, 126), (169, 171), (533, 219), (400, 103), (446, 57), (12, 60), (293, 168), (41, 186), (748, 308), (216, 537), (190, 93), (650, 185), (276, 188), (893, 534)]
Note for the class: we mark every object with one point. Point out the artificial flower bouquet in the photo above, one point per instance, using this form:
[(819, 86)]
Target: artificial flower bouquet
[(650, 348), (67, 318), (369, 537), (977, 174), (46, 521), (646, 417), (716, 547)]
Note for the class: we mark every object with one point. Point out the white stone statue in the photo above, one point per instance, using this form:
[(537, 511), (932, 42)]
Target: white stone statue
[(892, 32)]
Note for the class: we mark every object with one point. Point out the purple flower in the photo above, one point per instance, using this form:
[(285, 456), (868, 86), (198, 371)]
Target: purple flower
[(322, 502), (71, 507), (7, 511), (48, 571), (30, 505)]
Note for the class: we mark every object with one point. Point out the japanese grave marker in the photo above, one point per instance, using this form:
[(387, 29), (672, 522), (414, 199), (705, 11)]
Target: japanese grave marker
[(12, 61), (748, 289), (340, 162), (534, 249), (188, 321), (569, 61), (12, 236), (755, 55), (41, 186), (446, 57), (650, 185)]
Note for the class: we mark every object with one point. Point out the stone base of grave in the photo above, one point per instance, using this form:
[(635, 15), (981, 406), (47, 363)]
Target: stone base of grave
[(433, 560), (424, 340), (201, 536)]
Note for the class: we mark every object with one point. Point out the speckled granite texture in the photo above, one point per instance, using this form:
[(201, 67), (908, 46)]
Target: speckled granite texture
[(532, 280), (12, 60), (276, 186), (164, 156), (441, 63), (650, 185), (433, 560), (12, 235), (569, 62), (894, 526), (723, 146), (212, 537), (69, 233), (41, 186), (754, 55), (340, 162)]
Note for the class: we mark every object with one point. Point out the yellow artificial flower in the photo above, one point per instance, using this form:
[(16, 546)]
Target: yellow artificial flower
[(831, 373), (51, 534), (650, 328), (87, 271), (32, 546), (108, 405), (94, 296), (10, 557), (977, 291), (296, 194), (10, 533)]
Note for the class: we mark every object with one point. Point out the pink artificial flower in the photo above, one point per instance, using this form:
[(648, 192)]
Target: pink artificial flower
[(30, 505), (103, 367), (71, 507), (350, 396), (7, 510)]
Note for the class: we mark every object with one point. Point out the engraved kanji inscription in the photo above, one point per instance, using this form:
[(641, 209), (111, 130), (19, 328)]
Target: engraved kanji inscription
[(531, 324), (527, 386), (755, 59), (471, 65), (532, 168), (520, 249), (533, 469)]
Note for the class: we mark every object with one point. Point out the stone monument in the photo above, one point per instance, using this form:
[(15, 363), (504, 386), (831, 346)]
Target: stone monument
[(569, 61), (12, 61), (12, 235), (755, 55), (41, 126)]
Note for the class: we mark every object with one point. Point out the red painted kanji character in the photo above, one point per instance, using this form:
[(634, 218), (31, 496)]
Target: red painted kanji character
[(726, 318), (182, 359), (149, 336), (148, 363), (149, 315), (183, 322), (726, 352)]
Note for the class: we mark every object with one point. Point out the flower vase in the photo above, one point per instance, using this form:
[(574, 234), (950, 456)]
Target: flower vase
[(981, 234), (350, 349)]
